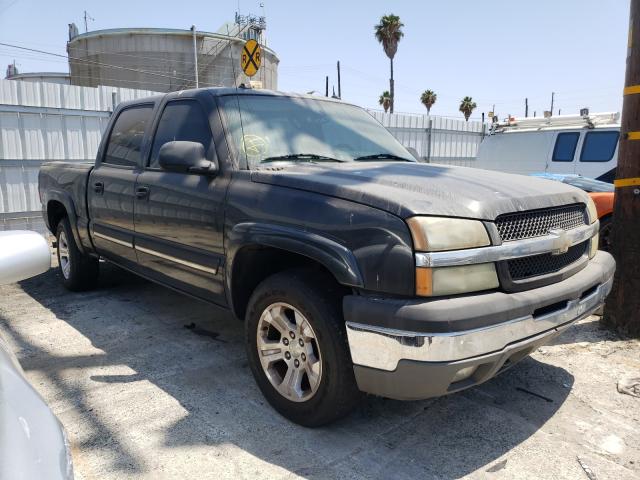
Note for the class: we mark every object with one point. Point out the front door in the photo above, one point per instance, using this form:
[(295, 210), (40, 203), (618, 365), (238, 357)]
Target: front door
[(179, 216), (112, 182)]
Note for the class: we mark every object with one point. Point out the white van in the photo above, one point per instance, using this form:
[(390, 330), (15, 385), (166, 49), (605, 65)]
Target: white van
[(568, 144)]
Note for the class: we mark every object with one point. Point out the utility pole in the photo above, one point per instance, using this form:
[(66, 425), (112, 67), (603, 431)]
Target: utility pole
[(326, 86), (526, 107), (552, 95), (195, 55), (623, 304), (339, 86)]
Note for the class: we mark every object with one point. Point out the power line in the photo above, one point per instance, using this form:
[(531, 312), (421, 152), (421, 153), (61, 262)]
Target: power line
[(36, 56), (119, 67), (132, 55)]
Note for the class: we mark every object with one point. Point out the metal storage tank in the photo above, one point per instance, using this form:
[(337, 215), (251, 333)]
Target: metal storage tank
[(162, 59), (48, 77)]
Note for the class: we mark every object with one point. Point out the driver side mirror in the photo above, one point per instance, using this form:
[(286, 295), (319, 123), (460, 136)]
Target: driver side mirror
[(185, 157)]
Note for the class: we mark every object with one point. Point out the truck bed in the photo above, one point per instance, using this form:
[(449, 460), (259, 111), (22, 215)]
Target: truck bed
[(65, 180)]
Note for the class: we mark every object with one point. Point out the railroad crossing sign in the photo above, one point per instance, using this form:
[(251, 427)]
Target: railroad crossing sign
[(251, 58)]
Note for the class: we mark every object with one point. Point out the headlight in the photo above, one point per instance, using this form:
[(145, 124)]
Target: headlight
[(592, 211), (454, 280), (433, 234)]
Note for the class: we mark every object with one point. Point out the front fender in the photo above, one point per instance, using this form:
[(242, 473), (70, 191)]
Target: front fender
[(335, 257)]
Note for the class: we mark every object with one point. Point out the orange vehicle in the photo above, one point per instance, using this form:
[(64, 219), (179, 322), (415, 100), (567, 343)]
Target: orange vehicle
[(604, 206), (602, 194)]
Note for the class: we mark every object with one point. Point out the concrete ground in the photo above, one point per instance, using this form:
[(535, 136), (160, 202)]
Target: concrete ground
[(141, 396)]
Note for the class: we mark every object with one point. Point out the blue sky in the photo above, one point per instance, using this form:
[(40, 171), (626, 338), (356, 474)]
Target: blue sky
[(497, 51)]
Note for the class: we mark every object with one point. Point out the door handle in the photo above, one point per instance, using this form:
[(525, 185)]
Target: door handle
[(142, 192), (98, 187)]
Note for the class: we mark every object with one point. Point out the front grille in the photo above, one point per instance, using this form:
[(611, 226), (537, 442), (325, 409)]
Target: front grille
[(536, 223), (527, 267)]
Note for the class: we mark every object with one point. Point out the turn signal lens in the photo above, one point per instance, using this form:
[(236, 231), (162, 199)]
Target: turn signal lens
[(433, 234), (424, 282), (455, 280)]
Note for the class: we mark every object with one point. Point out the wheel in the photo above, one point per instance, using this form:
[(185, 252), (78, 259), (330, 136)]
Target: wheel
[(297, 348), (79, 272), (605, 234)]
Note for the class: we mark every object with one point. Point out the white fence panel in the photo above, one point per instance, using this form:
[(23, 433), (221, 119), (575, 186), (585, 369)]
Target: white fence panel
[(91, 99), (33, 136), (40, 122), (8, 92), (51, 95), (436, 139), (54, 137), (10, 142), (72, 97), (29, 94)]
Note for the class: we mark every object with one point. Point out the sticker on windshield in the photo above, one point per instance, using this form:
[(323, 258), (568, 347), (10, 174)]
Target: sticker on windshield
[(255, 146)]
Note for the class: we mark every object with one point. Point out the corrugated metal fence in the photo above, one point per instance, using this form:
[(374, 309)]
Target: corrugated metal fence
[(436, 139), (41, 122)]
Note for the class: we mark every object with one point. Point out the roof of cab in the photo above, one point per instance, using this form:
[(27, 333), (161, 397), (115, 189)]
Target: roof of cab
[(223, 91)]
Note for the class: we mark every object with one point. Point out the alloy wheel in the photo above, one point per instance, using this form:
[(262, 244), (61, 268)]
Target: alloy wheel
[(289, 352), (63, 255)]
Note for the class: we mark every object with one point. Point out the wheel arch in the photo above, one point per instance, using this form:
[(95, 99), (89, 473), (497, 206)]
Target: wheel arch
[(59, 205), (257, 251)]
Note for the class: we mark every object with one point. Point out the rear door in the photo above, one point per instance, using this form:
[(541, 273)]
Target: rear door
[(179, 216), (112, 182)]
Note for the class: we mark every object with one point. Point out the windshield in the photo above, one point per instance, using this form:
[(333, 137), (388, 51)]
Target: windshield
[(271, 128), (589, 184)]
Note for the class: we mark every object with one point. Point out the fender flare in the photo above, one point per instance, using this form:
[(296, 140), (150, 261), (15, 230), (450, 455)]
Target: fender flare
[(67, 202), (336, 258)]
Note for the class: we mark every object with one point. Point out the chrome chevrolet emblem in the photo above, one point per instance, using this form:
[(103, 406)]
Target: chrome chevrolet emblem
[(561, 243)]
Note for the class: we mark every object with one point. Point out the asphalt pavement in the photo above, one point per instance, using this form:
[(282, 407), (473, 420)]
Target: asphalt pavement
[(152, 384)]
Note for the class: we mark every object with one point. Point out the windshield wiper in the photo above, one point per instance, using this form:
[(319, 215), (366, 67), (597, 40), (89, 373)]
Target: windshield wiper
[(310, 157), (382, 156)]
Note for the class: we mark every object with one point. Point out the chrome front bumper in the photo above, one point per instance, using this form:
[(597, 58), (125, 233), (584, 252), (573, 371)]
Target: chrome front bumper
[(383, 348)]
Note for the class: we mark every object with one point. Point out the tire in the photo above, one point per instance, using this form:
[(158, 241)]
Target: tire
[(79, 272), (605, 234), (327, 387)]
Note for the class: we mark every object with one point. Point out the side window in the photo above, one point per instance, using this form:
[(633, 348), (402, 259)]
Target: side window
[(565, 146), (183, 120), (126, 136), (599, 146)]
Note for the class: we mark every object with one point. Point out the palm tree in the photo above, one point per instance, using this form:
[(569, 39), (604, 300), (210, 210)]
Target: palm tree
[(428, 98), (389, 32), (467, 106), (385, 100)]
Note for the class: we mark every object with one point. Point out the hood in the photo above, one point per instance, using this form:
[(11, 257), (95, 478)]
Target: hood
[(405, 189)]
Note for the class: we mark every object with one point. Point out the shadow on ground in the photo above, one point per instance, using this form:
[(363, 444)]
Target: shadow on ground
[(140, 328)]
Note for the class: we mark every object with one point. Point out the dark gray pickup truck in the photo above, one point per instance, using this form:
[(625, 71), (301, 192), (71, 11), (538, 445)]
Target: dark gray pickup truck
[(354, 267)]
